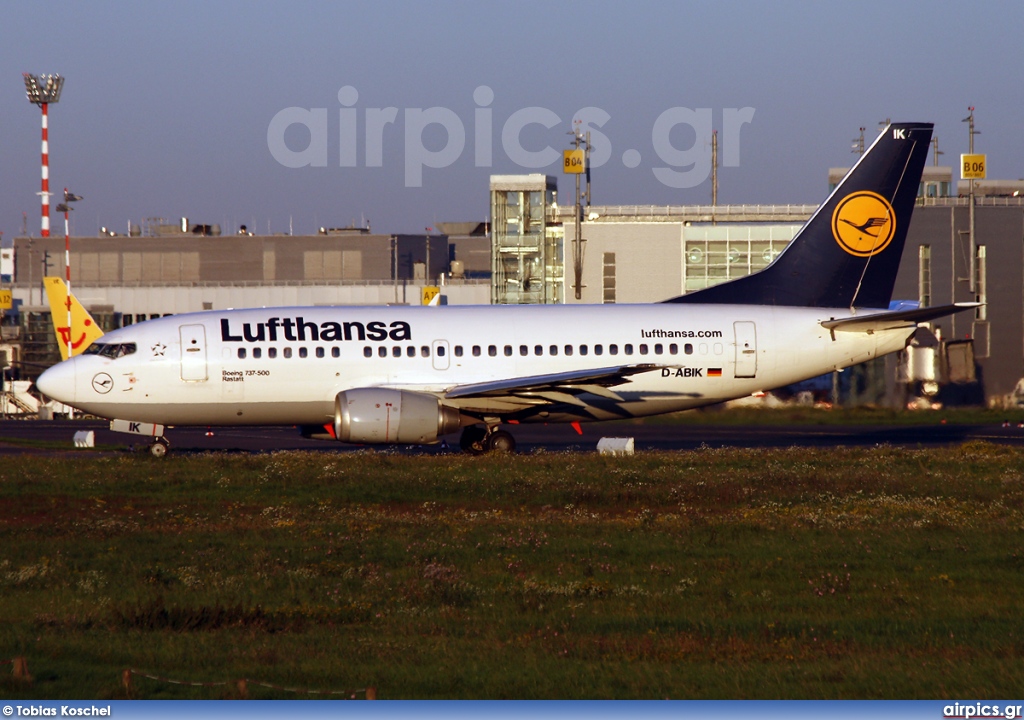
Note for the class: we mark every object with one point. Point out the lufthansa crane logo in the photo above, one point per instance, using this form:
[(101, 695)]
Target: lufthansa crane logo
[(863, 223), (102, 383)]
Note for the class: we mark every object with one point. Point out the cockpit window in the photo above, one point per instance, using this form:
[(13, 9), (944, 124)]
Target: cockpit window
[(110, 350)]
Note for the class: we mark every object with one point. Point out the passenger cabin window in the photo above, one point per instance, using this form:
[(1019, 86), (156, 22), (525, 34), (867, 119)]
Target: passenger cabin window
[(476, 351), (367, 351), (241, 353), (271, 352), (688, 349), (458, 351), (335, 352), (508, 351), (319, 352), (382, 352), (613, 349), (411, 351), (628, 348), (302, 352), (553, 350), (599, 350), (492, 350), (643, 348), (568, 349), (287, 352), (424, 351), (673, 349), (523, 350), (658, 348), (396, 351), (440, 350), (583, 349), (257, 352)]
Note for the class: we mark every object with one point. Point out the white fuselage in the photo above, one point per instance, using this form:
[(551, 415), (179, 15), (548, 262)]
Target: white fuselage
[(287, 365)]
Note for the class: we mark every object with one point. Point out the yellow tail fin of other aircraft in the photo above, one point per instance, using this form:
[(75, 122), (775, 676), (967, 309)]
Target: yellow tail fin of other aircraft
[(85, 329)]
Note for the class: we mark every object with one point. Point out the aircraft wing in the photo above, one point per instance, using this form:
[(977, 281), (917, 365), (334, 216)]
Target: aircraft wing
[(894, 320), (588, 380)]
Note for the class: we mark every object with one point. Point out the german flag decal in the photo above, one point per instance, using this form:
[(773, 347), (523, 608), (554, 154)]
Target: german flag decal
[(714, 372)]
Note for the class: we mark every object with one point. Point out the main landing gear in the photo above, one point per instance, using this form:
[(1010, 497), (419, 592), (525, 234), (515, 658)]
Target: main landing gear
[(480, 439)]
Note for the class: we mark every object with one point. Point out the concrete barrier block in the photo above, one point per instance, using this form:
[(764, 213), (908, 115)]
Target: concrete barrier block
[(615, 446), (85, 439)]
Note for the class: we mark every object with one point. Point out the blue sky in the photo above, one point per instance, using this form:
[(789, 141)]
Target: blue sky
[(167, 106)]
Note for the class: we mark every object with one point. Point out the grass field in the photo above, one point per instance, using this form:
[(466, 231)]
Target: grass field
[(841, 573), (862, 415)]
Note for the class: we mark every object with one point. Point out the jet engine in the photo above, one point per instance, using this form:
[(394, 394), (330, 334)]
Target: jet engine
[(380, 415)]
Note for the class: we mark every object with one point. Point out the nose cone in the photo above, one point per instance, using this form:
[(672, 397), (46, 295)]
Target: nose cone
[(59, 382)]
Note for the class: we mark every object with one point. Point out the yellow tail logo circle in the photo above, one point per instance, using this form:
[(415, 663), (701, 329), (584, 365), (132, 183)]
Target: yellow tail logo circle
[(863, 223)]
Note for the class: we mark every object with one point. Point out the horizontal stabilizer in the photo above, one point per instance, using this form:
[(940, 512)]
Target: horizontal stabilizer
[(894, 320)]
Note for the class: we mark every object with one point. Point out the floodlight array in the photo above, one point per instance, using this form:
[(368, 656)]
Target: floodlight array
[(43, 89)]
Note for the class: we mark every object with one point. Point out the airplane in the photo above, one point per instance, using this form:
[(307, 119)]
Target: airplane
[(411, 375), (86, 329)]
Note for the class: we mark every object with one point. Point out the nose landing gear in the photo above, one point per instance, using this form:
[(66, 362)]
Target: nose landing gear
[(159, 447)]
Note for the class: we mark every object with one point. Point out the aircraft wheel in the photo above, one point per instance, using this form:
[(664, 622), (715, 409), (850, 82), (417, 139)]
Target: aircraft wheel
[(474, 440), (159, 448), (501, 442)]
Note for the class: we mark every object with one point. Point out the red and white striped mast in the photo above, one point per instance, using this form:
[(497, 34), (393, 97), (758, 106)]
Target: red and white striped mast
[(65, 208), (43, 90)]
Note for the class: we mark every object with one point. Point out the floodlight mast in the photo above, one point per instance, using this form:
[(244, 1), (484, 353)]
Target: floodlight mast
[(42, 90)]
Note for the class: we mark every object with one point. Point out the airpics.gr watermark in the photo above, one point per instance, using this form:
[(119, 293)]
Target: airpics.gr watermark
[(681, 168), (981, 710)]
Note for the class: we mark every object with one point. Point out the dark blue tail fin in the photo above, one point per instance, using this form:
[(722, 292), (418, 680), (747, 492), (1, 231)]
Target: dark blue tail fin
[(848, 253)]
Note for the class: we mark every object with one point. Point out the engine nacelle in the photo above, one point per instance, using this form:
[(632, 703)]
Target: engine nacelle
[(380, 415)]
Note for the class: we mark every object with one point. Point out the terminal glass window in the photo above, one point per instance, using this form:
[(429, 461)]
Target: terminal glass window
[(924, 275), (526, 241), (981, 283), (717, 253), (608, 278)]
